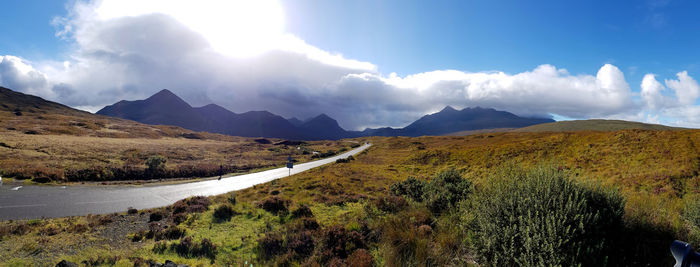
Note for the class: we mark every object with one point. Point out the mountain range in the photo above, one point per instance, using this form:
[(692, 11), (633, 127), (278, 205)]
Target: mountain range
[(167, 108)]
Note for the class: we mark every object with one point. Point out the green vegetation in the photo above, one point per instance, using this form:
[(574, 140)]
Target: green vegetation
[(66, 158), (590, 198), (544, 218), (593, 125)]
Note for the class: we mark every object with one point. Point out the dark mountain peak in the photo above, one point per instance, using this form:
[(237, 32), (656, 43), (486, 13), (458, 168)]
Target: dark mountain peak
[(323, 117), (165, 96), (323, 127), (214, 108), (447, 109)]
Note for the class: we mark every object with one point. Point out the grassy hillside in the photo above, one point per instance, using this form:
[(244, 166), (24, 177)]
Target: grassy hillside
[(346, 214), (593, 125), (48, 142)]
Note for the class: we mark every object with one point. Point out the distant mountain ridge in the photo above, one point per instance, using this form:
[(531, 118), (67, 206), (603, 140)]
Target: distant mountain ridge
[(167, 108), (450, 120)]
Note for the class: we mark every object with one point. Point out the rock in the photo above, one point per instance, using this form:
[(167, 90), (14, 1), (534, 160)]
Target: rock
[(65, 263)]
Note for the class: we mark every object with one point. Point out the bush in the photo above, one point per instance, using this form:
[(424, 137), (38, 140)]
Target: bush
[(160, 247), (270, 245), (402, 240), (274, 205), (156, 164), (411, 188), (360, 258), (223, 213), (542, 217), (338, 242), (132, 211), (232, 199), (302, 211), (171, 233), (445, 190), (391, 203), (155, 216), (310, 224), (190, 249), (191, 205), (302, 244)]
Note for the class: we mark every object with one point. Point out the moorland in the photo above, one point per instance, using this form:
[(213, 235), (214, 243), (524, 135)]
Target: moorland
[(552, 198)]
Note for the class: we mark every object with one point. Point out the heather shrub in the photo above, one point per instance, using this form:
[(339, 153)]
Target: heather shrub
[(445, 190), (391, 203), (274, 205), (339, 242), (360, 258), (542, 217), (155, 216), (270, 245), (132, 211), (310, 224), (223, 213), (302, 211), (411, 188), (191, 205), (302, 244)]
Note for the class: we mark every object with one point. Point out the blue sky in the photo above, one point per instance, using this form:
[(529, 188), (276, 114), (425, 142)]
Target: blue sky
[(341, 51), (415, 36)]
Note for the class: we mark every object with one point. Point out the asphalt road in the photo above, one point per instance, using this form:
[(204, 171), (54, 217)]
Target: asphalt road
[(28, 202)]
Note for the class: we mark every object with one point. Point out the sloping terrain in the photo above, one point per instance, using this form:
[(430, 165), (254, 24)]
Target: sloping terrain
[(345, 214), (593, 125), (48, 142)]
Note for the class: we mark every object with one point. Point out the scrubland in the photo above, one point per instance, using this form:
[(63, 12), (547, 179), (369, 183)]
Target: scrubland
[(591, 198)]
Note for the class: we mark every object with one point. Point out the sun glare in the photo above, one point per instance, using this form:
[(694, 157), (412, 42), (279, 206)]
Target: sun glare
[(233, 27)]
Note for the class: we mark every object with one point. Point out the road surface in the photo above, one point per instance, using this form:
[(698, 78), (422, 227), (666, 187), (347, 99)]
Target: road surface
[(28, 202)]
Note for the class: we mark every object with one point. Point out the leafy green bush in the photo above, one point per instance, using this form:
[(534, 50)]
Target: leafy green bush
[(156, 163), (445, 190), (542, 217), (411, 188)]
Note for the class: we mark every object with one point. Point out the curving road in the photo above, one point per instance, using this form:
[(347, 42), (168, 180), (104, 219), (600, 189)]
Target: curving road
[(28, 202)]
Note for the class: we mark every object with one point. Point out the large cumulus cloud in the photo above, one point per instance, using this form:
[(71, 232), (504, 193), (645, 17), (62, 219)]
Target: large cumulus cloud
[(132, 57)]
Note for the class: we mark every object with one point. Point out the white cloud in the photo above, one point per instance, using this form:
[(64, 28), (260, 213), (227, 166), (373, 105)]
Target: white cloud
[(652, 92), (686, 88), (127, 49), (18, 73)]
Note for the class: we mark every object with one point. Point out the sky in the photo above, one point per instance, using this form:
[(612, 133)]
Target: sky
[(364, 63)]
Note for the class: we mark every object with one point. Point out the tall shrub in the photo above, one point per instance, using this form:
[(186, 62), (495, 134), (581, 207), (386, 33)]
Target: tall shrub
[(544, 218)]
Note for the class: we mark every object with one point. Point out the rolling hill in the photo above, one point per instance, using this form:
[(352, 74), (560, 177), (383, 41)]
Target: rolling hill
[(593, 125), (45, 141)]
